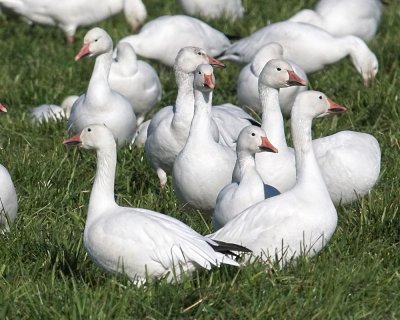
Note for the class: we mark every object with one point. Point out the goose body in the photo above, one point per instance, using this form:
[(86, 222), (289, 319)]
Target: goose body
[(70, 14), (247, 82), (308, 46), (136, 80), (162, 38), (141, 243), (300, 221), (213, 9), (48, 112), (8, 195), (250, 188), (100, 104), (344, 17), (356, 154)]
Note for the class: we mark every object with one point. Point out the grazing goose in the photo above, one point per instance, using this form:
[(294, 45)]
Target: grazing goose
[(162, 38), (48, 112), (302, 220), (247, 82), (68, 15), (136, 80), (204, 166), (8, 196), (213, 9), (250, 189), (101, 104), (344, 17), (308, 46), (356, 154), (141, 243)]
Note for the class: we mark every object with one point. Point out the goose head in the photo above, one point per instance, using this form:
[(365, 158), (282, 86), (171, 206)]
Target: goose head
[(188, 58), (95, 136), (253, 139), (204, 79), (365, 61), (278, 74), (312, 104), (96, 41), (3, 108)]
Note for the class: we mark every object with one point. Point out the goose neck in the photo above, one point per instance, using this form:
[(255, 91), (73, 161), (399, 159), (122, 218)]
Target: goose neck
[(202, 118), (272, 119), (102, 195), (101, 71), (184, 104), (245, 162)]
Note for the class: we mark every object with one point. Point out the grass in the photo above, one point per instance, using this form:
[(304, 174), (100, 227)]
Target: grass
[(44, 270)]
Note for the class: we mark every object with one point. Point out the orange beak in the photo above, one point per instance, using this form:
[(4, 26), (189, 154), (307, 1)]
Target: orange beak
[(83, 52), (215, 62), (295, 80), (3, 108), (267, 146), (335, 108), (208, 81), (74, 141)]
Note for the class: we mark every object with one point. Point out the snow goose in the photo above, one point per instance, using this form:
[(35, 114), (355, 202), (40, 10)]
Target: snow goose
[(48, 112), (204, 166), (356, 154), (343, 17), (302, 220), (247, 82), (141, 134), (250, 189), (162, 38), (169, 128), (101, 104), (310, 47), (8, 196), (69, 15), (136, 80), (212, 9), (141, 243)]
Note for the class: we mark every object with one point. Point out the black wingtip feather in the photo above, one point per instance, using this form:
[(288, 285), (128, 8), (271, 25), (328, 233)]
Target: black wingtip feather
[(227, 248)]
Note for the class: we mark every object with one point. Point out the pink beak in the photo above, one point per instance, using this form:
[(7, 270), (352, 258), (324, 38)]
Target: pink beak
[(3, 108), (335, 108), (215, 62), (74, 141), (83, 52), (295, 80), (208, 81), (267, 146)]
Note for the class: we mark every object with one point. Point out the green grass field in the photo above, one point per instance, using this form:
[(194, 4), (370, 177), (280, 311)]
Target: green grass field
[(44, 270)]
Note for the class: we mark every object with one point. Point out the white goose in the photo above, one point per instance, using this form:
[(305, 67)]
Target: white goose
[(310, 47), (169, 128), (343, 17), (48, 112), (136, 80), (204, 166), (250, 189), (212, 9), (247, 82), (8, 196), (162, 38), (101, 104), (141, 243), (70, 14), (302, 220), (356, 154), (141, 134)]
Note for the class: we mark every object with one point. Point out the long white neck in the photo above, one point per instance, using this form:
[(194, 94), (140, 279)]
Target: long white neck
[(308, 173), (98, 84), (272, 119), (184, 105), (102, 195), (200, 129), (246, 163)]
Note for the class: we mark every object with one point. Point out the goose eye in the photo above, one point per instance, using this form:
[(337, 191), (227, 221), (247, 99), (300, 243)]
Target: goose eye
[(199, 72), (279, 69), (253, 134), (320, 97), (96, 40), (89, 130), (199, 53)]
